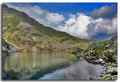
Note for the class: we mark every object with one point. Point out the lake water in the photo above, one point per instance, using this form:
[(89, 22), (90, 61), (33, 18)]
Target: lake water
[(28, 62), (81, 70)]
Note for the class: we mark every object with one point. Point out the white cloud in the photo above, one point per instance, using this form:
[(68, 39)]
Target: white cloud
[(105, 25), (114, 24), (55, 18), (86, 27), (36, 10), (42, 16), (79, 25)]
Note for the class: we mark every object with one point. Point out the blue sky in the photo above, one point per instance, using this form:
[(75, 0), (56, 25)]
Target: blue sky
[(72, 7), (66, 8), (83, 20)]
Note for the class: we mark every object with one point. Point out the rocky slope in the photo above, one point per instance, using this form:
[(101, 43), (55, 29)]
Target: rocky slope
[(38, 48), (106, 53)]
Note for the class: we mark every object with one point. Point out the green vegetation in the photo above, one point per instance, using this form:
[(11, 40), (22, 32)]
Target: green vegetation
[(41, 49), (106, 50), (37, 47)]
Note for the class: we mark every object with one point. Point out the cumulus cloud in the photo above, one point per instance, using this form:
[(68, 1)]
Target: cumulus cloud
[(79, 24), (54, 17), (106, 26), (102, 26), (105, 12), (86, 27), (42, 16)]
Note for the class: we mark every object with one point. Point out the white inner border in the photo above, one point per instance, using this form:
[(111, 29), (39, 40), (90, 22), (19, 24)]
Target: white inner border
[(68, 1)]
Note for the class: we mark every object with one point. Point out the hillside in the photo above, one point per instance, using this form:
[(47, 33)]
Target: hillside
[(19, 25), (105, 51), (38, 48), (31, 50)]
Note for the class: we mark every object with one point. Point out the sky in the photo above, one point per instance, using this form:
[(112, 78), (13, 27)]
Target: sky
[(82, 20), (72, 7)]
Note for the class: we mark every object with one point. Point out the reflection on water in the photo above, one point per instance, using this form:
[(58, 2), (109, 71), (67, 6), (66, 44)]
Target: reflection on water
[(35, 59), (56, 75), (81, 70)]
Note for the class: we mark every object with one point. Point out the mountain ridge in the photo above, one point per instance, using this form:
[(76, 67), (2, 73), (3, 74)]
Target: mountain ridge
[(34, 22), (37, 47)]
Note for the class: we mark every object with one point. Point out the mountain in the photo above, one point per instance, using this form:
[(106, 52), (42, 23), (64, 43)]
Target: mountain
[(31, 30), (30, 49), (38, 48)]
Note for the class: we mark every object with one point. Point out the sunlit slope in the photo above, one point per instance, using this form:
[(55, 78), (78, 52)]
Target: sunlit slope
[(38, 47), (21, 30)]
